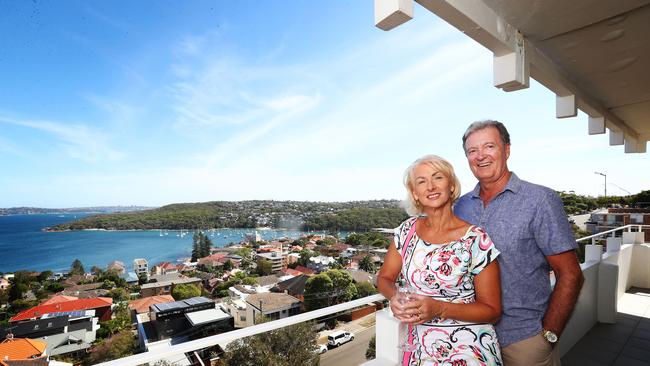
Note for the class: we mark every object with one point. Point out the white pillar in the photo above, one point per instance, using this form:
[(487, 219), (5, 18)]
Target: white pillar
[(607, 288), (614, 244), (593, 253)]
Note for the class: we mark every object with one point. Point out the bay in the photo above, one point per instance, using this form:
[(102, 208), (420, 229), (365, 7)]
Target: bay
[(24, 245)]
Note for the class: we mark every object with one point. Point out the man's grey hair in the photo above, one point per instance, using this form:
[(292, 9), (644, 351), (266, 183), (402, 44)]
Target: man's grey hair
[(480, 125)]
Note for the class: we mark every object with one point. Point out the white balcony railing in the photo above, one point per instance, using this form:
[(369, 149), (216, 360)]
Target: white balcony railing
[(172, 352)]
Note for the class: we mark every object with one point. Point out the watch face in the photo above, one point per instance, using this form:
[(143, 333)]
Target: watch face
[(550, 336)]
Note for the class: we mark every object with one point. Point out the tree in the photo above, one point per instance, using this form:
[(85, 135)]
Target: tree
[(370, 351), (264, 267), (142, 278), (196, 251), (185, 291), (288, 346), (118, 346), (343, 286), (227, 266), (77, 268), (43, 276), (118, 294), (365, 289), (305, 254), (366, 264), (317, 291)]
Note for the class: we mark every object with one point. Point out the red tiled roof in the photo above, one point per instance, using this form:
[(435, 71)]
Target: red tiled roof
[(72, 305), (166, 265), (142, 305), (292, 272), (21, 349), (305, 270), (58, 298)]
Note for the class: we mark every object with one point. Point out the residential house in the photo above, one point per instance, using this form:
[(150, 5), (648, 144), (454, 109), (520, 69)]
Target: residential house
[(141, 267), (305, 270), (23, 352), (164, 268), (267, 281), (615, 217), (87, 291), (179, 321), (101, 305), (57, 299), (359, 276), (278, 260), (142, 305), (292, 258), (321, 263), (213, 260), (164, 284), (237, 308), (334, 250), (68, 333), (272, 305), (294, 286)]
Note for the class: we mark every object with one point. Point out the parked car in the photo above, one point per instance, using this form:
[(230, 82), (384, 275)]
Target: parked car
[(321, 348), (339, 337)]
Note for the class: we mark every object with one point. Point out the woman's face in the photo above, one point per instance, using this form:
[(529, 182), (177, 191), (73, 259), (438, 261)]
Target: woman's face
[(431, 188)]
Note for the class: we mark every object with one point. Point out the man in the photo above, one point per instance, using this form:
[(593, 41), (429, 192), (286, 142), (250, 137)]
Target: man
[(528, 225)]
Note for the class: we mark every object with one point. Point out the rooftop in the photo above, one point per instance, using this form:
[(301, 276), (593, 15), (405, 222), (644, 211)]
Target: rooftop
[(142, 305), (80, 304), (271, 301), (21, 348)]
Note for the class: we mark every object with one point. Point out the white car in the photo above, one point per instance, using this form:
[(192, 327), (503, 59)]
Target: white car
[(321, 348), (339, 337)]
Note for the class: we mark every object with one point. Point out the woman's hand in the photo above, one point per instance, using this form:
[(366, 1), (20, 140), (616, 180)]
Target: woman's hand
[(419, 310)]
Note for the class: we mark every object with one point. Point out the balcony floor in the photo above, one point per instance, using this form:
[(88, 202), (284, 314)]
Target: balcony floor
[(625, 343)]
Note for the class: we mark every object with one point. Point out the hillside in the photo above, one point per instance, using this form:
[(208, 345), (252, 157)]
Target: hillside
[(347, 216)]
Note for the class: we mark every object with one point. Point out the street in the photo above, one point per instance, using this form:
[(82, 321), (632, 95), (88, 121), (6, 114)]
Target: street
[(352, 353)]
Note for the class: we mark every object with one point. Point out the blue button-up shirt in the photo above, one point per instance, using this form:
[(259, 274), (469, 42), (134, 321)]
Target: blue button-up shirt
[(527, 223)]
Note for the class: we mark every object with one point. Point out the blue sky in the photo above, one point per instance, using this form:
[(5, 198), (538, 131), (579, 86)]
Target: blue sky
[(155, 102)]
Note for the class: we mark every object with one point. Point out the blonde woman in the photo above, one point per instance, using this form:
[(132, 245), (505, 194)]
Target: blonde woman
[(453, 269)]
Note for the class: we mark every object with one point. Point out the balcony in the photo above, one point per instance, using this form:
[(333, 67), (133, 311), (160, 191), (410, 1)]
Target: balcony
[(609, 326)]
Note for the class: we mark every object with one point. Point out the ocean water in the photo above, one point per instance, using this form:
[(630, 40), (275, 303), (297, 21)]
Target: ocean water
[(23, 244)]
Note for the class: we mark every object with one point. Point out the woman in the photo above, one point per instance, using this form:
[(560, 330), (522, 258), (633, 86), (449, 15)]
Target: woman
[(451, 264)]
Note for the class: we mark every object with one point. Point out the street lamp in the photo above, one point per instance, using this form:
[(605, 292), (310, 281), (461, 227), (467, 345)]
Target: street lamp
[(604, 175)]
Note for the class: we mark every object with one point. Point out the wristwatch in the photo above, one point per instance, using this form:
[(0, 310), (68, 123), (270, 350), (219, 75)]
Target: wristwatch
[(549, 336)]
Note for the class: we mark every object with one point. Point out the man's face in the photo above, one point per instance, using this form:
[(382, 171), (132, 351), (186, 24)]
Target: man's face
[(487, 155)]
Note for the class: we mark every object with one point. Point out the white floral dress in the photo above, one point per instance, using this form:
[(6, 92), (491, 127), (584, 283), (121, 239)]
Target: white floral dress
[(446, 273)]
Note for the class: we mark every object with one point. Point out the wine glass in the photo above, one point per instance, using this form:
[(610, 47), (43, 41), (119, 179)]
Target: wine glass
[(405, 294)]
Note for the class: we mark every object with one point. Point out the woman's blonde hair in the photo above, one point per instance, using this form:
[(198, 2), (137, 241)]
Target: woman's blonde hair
[(411, 206)]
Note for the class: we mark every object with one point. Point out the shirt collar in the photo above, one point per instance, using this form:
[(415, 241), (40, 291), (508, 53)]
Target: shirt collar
[(513, 185)]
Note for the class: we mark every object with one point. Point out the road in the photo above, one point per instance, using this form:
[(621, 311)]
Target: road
[(352, 353)]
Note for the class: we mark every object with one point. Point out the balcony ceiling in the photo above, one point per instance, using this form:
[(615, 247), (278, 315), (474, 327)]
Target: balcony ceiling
[(603, 45), (595, 50)]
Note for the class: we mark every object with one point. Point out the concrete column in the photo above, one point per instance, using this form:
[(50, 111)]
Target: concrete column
[(614, 244), (387, 330), (607, 287), (593, 253)]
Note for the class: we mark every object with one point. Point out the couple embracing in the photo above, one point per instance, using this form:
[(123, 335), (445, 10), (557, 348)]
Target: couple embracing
[(481, 259)]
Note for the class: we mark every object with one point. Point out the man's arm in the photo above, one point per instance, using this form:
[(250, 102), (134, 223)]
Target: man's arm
[(568, 282)]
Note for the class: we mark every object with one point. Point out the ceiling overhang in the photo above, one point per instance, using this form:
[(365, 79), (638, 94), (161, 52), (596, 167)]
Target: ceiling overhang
[(592, 54)]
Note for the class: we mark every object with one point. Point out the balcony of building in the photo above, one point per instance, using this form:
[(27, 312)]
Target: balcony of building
[(609, 326)]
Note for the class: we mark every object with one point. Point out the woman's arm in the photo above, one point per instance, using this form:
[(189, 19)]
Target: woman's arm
[(389, 271), (386, 281), (486, 309)]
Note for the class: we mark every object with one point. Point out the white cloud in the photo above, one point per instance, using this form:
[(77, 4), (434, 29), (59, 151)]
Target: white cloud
[(78, 141)]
